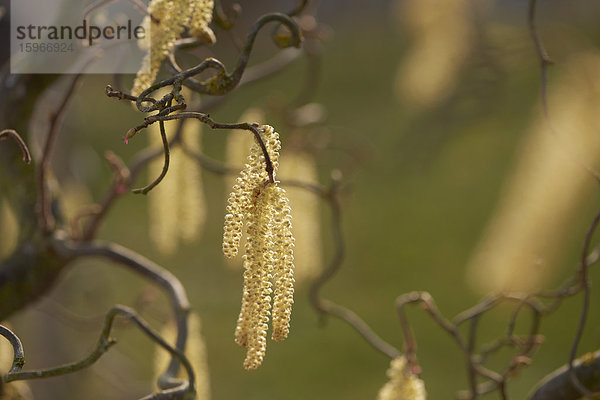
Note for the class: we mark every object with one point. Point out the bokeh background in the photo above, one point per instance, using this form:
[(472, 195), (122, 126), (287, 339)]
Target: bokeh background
[(454, 184)]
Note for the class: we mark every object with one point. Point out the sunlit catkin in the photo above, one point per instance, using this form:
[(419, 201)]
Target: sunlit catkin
[(201, 15), (195, 351), (549, 187), (442, 34), (403, 384), (169, 20), (239, 142), (268, 261), (307, 229)]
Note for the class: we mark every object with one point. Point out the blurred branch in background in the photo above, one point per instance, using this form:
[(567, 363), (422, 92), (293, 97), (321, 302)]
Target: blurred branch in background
[(513, 259)]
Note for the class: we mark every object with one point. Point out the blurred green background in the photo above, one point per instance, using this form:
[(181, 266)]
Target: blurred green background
[(423, 181)]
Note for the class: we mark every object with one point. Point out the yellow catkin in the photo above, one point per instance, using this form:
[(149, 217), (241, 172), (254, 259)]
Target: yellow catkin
[(443, 36), (162, 200), (283, 266), (201, 15), (191, 199), (307, 229), (268, 261), (9, 230), (195, 352), (548, 188), (239, 142), (240, 199), (74, 196), (403, 384), (169, 20)]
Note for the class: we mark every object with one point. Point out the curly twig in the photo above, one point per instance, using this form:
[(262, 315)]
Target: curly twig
[(165, 168), (224, 82), (11, 133), (205, 118)]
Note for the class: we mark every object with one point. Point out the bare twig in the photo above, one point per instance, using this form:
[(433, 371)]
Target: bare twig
[(12, 134), (223, 82), (360, 326), (213, 125), (165, 168)]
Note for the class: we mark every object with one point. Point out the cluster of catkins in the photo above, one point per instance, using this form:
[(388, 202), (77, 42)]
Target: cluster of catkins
[(263, 208), (166, 21)]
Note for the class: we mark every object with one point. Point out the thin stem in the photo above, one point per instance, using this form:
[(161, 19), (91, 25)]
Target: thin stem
[(361, 327), (165, 168), (213, 125), (12, 134)]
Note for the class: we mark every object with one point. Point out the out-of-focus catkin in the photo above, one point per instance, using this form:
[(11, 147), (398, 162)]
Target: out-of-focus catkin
[(549, 186), (443, 33), (169, 19), (264, 209), (177, 206), (195, 351), (307, 228), (403, 384), (162, 200), (192, 201), (9, 230)]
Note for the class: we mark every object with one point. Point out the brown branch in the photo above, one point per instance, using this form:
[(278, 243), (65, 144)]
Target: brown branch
[(213, 125), (12, 134)]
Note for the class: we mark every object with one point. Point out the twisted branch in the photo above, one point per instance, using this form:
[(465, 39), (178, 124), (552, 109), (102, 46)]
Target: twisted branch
[(12, 134)]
